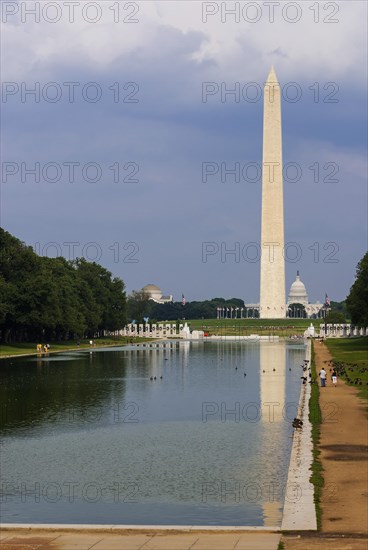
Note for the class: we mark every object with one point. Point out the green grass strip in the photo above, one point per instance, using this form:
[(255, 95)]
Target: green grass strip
[(315, 418), (30, 348), (350, 357)]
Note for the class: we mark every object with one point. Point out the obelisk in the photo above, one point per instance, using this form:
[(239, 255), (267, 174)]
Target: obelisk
[(272, 299)]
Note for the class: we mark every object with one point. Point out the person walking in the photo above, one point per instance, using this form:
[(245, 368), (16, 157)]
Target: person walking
[(322, 375), (334, 378)]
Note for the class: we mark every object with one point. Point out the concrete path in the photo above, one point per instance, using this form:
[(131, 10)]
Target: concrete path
[(61, 540), (344, 457), (299, 508)]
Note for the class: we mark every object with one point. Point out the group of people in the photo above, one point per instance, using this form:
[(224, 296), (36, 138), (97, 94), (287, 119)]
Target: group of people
[(43, 348), (323, 377)]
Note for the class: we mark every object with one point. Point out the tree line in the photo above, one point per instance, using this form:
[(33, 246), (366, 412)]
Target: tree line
[(140, 307), (54, 298)]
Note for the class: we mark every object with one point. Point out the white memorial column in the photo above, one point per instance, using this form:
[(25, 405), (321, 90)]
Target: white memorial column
[(272, 296)]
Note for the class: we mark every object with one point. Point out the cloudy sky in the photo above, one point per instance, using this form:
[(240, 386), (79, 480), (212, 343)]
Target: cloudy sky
[(122, 122)]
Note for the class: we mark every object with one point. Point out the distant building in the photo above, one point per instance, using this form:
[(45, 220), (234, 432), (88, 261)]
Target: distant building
[(298, 292), (298, 297), (297, 305), (155, 294)]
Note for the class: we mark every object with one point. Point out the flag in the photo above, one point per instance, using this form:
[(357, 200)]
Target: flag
[(183, 300), (327, 300)]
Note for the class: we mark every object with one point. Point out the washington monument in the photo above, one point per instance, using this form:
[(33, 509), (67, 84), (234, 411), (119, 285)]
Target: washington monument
[(272, 300)]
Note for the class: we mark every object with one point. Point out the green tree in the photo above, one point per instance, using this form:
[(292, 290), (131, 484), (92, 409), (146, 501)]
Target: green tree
[(69, 321), (47, 298), (139, 305), (106, 296), (194, 310), (340, 306), (18, 266), (335, 317), (357, 300), (115, 314), (7, 294)]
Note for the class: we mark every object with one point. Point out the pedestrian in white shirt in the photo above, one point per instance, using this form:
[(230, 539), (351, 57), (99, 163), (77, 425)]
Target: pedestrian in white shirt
[(322, 375)]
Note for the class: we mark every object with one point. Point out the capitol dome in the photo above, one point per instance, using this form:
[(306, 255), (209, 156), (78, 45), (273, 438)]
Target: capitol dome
[(298, 293)]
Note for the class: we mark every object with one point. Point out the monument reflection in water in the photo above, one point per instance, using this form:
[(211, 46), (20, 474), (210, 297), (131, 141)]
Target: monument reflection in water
[(95, 438), (272, 365)]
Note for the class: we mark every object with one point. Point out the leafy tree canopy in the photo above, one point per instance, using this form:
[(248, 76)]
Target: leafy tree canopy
[(52, 298), (334, 316), (357, 301), (140, 306)]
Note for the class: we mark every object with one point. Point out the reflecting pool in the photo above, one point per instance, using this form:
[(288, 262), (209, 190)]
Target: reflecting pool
[(169, 433)]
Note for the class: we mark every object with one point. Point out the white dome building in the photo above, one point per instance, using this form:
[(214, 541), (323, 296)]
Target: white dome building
[(298, 295), (298, 292), (155, 294)]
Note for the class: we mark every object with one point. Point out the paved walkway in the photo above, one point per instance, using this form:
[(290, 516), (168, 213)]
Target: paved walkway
[(67, 540), (343, 446), (299, 508), (61, 540)]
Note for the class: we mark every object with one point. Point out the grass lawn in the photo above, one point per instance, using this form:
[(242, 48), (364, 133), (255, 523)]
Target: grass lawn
[(26, 348), (315, 417), (350, 356)]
